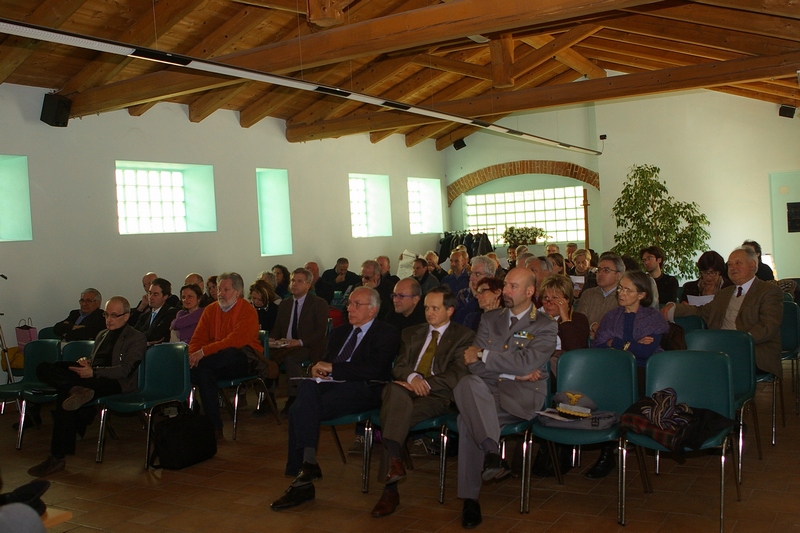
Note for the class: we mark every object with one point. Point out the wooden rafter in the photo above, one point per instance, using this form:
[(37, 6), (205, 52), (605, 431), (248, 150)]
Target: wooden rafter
[(784, 8)]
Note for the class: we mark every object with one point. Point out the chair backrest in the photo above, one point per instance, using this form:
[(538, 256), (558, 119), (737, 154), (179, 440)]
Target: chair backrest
[(607, 376), (788, 297), (48, 333), (690, 323), (166, 370), (700, 378), (39, 351), (739, 347), (72, 351), (790, 327)]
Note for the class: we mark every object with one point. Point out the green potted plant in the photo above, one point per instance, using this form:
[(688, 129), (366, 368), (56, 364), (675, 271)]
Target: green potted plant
[(514, 236), (647, 215)]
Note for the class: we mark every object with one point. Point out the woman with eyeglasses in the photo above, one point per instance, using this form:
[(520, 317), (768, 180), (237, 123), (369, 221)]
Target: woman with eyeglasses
[(557, 297), (712, 277), (187, 318), (634, 326), (489, 293)]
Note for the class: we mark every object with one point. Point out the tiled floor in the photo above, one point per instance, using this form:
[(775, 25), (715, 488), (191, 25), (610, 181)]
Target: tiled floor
[(232, 491)]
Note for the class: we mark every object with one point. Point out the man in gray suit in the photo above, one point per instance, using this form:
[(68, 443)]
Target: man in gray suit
[(507, 383), (430, 364), (749, 305)]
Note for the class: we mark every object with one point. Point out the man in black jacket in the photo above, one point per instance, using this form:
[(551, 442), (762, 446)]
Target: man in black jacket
[(161, 312), (84, 323)]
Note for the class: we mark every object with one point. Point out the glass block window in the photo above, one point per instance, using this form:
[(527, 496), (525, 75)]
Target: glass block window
[(274, 212), (164, 198), (557, 211), (425, 205), (15, 199), (370, 206)]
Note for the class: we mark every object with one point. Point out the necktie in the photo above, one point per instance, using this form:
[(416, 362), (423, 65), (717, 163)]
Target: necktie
[(295, 335), (152, 317), (348, 348), (514, 321), (426, 361), (738, 292)]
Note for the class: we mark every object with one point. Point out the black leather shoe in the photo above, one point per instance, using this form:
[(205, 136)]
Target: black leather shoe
[(308, 473), (288, 405), (293, 497), (492, 465), (29, 494), (471, 514), (604, 465)]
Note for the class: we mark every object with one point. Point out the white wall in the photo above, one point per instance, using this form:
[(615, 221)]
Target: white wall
[(76, 243)]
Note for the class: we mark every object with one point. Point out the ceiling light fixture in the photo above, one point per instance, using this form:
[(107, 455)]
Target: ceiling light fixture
[(22, 29)]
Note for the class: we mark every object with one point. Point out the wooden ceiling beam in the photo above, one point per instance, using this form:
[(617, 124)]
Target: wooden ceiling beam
[(570, 58), (417, 27), (764, 97), (50, 13), (659, 44), (662, 81), (481, 72), (141, 33), (502, 51), (783, 8), (210, 101), (686, 32), (726, 19), (551, 49), (291, 6)]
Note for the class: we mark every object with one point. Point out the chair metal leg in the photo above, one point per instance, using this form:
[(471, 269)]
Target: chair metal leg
[(264, 395), (368, 434), (783, 408), (736, 459), (22, 410), (101, 438), (657, 462), (235, 409), (149, 417), (525, 490), (774, 404), (339, 444), (756, 429), (621, 471), (551, 448), (576, 456), (641, 459), (191, 398), (443, 437)]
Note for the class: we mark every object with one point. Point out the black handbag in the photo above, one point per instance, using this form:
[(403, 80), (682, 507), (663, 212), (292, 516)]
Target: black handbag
[(182, 440)]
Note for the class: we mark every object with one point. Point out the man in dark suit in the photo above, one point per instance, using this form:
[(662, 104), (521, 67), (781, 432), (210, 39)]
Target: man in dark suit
[(155, 323), (386, 271), (322, 288), (84, 323), (750, 305), (340, 277), (371, 277), (427, 369), (344, 382), (299, 331), (508, 366), (196, 279), (112, 369)]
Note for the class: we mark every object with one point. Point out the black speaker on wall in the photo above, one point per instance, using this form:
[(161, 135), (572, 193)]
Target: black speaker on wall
[(55, 110), (786, 111)]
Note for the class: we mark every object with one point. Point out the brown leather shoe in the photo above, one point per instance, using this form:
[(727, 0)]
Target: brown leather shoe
[(396, 470), (387, 504)]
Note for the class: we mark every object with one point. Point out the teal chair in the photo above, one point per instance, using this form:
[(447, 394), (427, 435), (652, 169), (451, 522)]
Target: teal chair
[(166, 381), (48, 333), (788, 297), (687, 372), (739, 347), (690, 323), (790, 347), (72, 351), (365, 418), (36, 352), (578, 370)]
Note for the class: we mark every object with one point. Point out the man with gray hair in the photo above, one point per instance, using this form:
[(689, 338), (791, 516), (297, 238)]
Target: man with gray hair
[(349, 379), (84, 323), (597, 301), (225, 337), (541, 268), (371, 277), (299, 332), (467, 310)]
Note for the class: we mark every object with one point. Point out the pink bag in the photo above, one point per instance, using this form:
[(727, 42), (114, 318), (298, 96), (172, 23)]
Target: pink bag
[(25, 333)]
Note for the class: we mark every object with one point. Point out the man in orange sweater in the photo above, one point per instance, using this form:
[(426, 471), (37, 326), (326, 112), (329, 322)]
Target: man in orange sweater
[(227, 331)]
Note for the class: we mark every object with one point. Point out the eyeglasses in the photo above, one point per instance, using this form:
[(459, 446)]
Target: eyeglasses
[(709, 273), (358, 305), (625, 290), (482, 290), (396, 295), (547, 299), (155, 293), (478, 274), (606, 270), (86, 300), (113, 315)]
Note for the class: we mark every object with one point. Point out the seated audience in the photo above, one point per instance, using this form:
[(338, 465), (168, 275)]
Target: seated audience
[(636, 327), (281, 280), (712, 278), (653, 261), (489, 294), (142, 304), (458, 278), (407, 302), (557, 299), (557, 260), (340, 277), (568, 264), (499, 272), (321, 288), (371, 277), (84, 323), (226, 336), (386, 271), (155, 324), (426, 280), (432, 258), (112, 368), (764, 272), (186, 319), (511, 253), (357, 360), (262, 297), (196, 279), (541, 268), (551, 248), (466, 303), (211, 289), (595, 302)]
